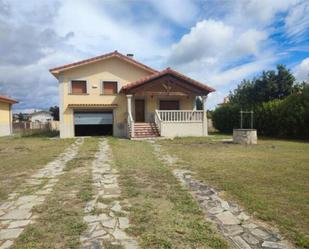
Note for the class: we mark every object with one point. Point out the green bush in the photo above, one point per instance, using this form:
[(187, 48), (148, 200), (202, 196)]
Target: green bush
[(226, 117), (278, 118)]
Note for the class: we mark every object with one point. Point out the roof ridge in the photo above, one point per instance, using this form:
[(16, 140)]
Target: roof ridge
[(103, 56)]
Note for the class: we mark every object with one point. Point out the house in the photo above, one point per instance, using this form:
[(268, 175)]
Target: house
[(41, 117), (6, 115), (113, 94)]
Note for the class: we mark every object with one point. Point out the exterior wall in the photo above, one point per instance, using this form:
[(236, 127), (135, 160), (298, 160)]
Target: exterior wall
[(182, 129), (113, 69), (41, 117), (5, 119)]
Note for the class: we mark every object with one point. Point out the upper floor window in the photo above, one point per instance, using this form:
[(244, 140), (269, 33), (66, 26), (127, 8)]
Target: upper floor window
[(109, 87), (79, 87)]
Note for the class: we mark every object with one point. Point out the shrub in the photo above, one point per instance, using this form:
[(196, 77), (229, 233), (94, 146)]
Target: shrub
[(278, 118)]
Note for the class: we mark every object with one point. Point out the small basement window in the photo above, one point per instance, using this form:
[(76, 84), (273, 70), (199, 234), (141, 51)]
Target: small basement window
[(110, 87), (78, 87)]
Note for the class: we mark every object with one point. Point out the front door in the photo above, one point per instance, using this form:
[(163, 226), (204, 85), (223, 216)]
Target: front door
[(139, 110)]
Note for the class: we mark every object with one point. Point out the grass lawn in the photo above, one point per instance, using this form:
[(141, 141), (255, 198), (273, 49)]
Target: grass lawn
[(163, 214), (271, 179), (60, 217), (21, 156)]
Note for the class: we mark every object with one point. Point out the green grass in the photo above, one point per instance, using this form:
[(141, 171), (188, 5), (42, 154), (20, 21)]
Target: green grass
[(60, 217), (163, 214), (271, 179), (21, 157)]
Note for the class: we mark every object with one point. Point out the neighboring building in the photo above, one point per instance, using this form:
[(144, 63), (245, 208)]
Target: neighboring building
[(117, 95), (6, 115), (41, 117)]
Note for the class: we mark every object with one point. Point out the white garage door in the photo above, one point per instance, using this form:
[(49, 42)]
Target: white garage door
[(93, 118)]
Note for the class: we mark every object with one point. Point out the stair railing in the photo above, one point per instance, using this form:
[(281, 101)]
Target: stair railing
[(158, 120), (130, 125)]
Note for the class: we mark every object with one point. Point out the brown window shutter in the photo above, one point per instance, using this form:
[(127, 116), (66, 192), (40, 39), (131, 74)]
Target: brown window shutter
[(169, 105), (109, 87), (79, 86)]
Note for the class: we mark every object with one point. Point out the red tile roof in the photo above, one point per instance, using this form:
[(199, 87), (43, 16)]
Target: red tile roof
[(57, 70), (7, 100), (93, 105), (166, 72)]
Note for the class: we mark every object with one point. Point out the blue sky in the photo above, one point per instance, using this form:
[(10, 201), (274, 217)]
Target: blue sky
[(218, 42)]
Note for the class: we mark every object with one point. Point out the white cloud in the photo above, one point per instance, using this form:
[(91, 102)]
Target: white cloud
[(181, 12), (206, 39), (214, 40), (301, 71), (297, 21)]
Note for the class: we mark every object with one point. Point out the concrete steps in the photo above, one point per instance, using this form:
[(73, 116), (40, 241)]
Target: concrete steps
[(145, 130)]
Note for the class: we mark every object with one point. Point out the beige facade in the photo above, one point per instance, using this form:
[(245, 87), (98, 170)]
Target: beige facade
[(111, 68), (6, 116)]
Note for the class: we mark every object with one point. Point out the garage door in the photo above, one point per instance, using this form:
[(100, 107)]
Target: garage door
[(96, 123)]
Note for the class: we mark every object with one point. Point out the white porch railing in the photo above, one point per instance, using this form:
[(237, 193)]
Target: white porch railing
[(130, 126), (179, 116)]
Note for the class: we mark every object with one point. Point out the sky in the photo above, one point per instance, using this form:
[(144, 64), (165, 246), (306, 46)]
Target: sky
[(218, 42)]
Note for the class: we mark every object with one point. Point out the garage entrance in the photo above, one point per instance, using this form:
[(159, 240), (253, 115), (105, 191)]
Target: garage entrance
[(93, 123)]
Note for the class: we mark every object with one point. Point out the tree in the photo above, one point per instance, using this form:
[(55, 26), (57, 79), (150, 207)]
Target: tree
[(269, 86), (55, 112), (199, 103)]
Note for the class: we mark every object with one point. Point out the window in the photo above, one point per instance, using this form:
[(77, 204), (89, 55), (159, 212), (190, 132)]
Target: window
[(169, 105), (110, 87), (79, 87)]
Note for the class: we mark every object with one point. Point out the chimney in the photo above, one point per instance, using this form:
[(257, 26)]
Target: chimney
[(130, 55)]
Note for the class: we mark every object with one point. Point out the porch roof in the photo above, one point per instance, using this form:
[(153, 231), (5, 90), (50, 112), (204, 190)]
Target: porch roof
[(202, 88)]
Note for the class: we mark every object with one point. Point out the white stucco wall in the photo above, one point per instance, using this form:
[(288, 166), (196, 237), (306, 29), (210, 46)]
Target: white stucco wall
[(181, 129), (41, 117)]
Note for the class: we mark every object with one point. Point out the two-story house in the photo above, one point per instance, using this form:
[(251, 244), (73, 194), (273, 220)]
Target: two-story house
[(113, 94)]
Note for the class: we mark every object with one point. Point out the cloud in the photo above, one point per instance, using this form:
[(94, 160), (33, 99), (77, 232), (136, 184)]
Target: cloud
[(301, 71), (214, 40), (297, 22), (186, 10), (205, 39)]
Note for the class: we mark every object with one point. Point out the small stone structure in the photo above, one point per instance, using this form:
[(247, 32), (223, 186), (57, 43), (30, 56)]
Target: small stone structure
[(245, 136)]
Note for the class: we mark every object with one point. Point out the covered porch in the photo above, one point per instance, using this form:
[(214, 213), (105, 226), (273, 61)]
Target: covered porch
[(164, 104)]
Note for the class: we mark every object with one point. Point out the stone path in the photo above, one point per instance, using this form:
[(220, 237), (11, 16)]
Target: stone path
[(16, 212), (231, 220), (105, 214)]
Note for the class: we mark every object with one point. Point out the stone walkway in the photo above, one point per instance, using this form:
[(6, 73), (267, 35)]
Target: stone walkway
[(231, 221), (16, 212), (105, 214)]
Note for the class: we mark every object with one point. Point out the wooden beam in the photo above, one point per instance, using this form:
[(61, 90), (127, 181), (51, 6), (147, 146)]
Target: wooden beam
[(148, 93)]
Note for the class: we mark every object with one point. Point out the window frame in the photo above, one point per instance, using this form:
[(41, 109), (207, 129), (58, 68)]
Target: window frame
[(102, 87), (71, 88)]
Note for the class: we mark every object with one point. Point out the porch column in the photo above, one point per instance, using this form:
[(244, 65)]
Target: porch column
[(129, 99), (194, 103), (205, 124)]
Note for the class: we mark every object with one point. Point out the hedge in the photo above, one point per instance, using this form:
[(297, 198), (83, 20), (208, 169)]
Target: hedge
[(278, 118)]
